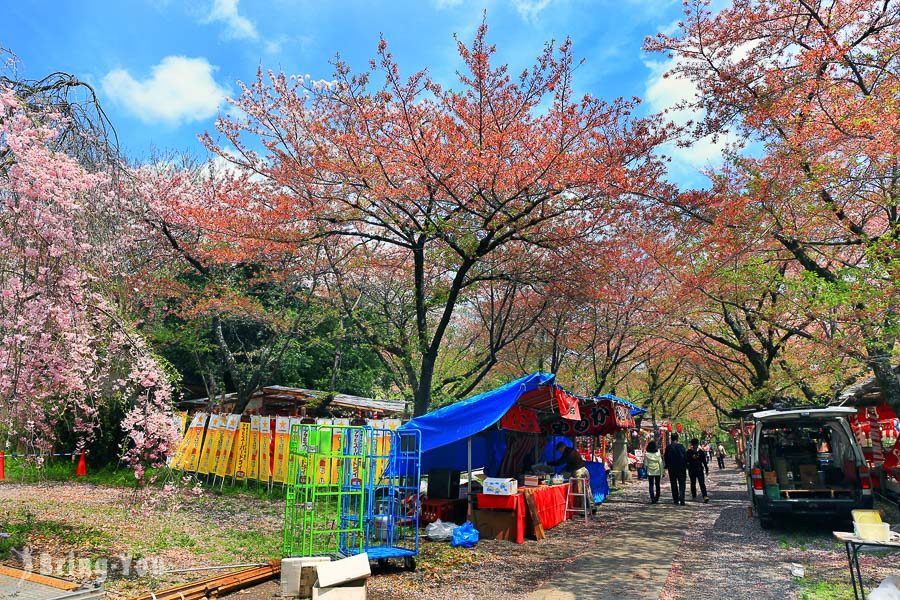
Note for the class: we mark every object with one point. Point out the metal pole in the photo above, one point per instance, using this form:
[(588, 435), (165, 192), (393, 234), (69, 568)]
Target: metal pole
[(469, 449)]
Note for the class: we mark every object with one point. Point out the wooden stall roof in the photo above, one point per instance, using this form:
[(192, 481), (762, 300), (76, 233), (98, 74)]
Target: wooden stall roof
[(282, 397), (864, 393)]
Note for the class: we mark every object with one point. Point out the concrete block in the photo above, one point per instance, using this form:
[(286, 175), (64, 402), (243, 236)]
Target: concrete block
[(298, 575), (342, 571), (351, 590)]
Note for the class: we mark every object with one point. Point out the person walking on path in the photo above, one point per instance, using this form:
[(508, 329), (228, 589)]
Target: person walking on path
[(653, 462), (698, 468), (675, 461), (720, 455)]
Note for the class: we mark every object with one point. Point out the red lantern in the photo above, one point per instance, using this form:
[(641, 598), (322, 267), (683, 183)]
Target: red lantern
[(669, 427), (678, 427)]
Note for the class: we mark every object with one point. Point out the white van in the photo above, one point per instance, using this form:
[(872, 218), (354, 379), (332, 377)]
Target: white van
[(806, 461)]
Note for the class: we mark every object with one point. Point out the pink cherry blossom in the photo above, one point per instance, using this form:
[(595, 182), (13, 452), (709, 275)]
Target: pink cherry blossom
[(66, 348)]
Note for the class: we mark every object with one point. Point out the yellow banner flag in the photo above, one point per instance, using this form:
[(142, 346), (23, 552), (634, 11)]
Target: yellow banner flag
[(191, 457), (253, 452), (265, 441), (242, 453), (176, 459), (282, 447), (209, 443), (224, 464), (329, 445)]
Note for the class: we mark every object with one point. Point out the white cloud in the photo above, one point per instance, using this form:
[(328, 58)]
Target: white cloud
[(274, 46), (663, 95), (442, 4), (179, 90), (238, 27), (530, 9)]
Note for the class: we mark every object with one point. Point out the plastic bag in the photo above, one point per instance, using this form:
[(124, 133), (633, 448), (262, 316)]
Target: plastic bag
[(465, 536), (439, 531)]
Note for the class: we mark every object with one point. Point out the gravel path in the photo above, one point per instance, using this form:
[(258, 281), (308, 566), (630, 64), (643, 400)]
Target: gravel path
[(497, 569), (721, 551), (725, 553)]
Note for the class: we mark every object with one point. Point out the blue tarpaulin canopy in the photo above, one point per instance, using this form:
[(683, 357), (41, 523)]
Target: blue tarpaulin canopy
[(634, 408), (454, 424), (446, 431)]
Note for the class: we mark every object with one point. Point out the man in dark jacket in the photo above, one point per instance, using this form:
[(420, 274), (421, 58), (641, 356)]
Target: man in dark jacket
[(698, 468), (675, 460), (570, 458), (575, 467)]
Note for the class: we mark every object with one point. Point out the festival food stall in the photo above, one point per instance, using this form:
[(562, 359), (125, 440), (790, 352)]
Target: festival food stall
[(877, 429), (511, 433)]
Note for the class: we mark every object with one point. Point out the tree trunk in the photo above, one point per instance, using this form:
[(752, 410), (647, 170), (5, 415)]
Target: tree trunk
[(423, 391), (886, 377)]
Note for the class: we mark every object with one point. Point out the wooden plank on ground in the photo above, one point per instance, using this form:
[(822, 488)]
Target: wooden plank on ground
[(218, 585), (60, 584), (535, 517)]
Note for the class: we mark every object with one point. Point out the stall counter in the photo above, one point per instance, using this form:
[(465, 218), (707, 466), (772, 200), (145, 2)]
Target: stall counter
[(550, 501)]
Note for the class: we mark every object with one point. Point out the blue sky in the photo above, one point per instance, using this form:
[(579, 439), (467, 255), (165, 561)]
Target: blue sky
[(163, 68)]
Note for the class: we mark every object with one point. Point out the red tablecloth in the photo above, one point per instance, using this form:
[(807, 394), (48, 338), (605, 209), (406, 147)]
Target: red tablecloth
[(549, 499)]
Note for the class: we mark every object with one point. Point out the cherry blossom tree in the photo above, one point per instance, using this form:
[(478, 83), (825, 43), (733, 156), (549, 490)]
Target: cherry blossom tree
[(811, 88), (65, 348), (447, 182)]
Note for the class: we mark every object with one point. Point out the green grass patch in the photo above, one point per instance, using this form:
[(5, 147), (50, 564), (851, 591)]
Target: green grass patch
[(825, 590), (805, 540), (23, 528), (171, 538), (246, 544), (22, 471)]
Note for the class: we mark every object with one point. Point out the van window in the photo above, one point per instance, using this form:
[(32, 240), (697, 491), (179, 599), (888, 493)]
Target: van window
[(807, 454)]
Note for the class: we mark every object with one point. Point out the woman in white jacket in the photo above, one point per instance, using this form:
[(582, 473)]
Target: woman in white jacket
[(653, 462)]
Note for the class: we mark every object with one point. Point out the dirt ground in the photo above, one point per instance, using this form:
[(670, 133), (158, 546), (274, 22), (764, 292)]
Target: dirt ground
[(724, 553)]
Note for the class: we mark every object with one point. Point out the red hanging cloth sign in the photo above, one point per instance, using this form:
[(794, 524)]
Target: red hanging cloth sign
[(521, 419), (567, 404)]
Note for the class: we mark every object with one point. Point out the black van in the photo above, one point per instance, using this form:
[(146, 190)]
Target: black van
[(806, 462)]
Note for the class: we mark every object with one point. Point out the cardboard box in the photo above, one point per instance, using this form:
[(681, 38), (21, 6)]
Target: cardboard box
[(352, 590), (533, 480), (770, 477), (342, 571), (495, 524), (298, 574), (496, 486)]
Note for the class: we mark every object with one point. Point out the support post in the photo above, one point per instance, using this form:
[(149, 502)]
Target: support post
[(469, 494), (469, 451)]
